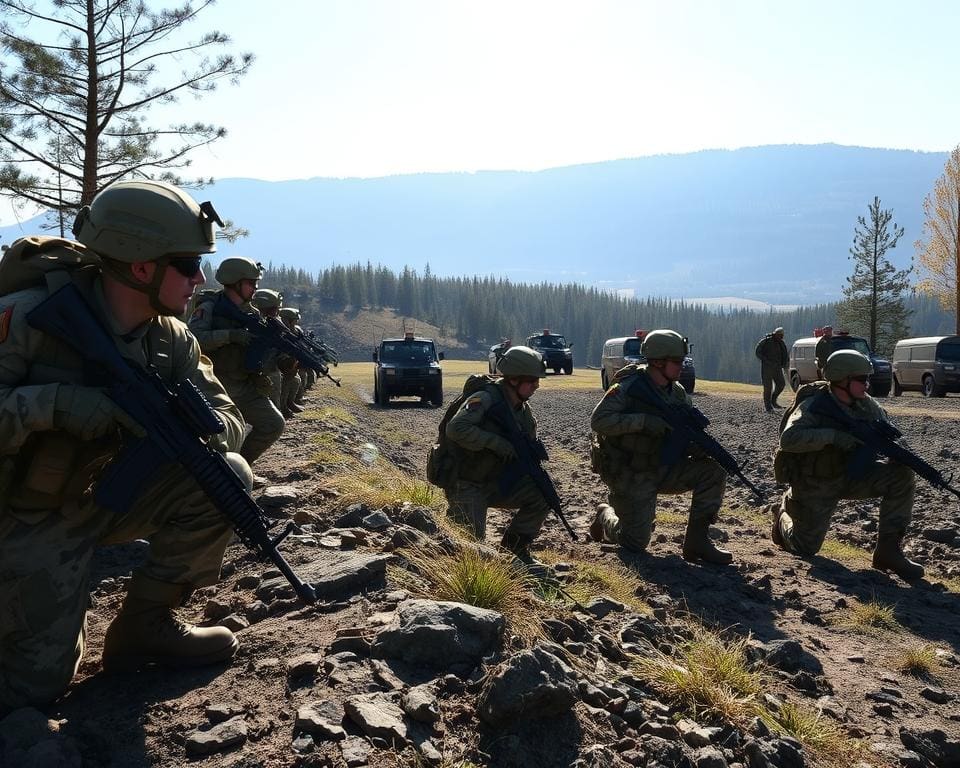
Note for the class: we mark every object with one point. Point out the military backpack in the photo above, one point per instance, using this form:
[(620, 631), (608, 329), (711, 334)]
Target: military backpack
[(32, 261), (441, 461), (780, 458)]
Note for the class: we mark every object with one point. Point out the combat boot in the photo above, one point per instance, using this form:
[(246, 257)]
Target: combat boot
[(148, 632), (296, 408), (519, 547), (697, 545), (776, 533), (889, 556), (596, 527)]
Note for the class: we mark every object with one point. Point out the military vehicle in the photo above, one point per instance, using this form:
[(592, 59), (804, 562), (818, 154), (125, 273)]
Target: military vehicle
[(407, 367), (625, 350), (803, 361), (554, 349)]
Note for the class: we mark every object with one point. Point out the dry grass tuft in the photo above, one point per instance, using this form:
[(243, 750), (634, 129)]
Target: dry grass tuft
[(383, 485), (869, 617), (327, 414), (839, 550), (830, 746), (710, 677), (919, 661), (590, 579)]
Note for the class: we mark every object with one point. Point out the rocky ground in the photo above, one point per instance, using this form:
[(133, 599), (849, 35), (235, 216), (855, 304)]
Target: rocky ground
[(371, 676)]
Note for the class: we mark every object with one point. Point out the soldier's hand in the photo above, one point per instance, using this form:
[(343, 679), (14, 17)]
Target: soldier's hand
[(845, 441), (240, 336), (654, 425), (502, 447), (88, 413)]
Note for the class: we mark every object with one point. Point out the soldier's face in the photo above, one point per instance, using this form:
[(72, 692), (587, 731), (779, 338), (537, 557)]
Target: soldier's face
[(176, 288), (859, 385), (526, 386)]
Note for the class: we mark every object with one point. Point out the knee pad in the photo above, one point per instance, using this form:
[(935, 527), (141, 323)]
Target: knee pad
[(239, 465)]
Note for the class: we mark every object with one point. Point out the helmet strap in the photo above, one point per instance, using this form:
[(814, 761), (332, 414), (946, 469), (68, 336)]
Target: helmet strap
[(120, 270)]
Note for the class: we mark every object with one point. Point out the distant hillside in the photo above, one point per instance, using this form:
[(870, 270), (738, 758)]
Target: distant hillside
[(769, 223)]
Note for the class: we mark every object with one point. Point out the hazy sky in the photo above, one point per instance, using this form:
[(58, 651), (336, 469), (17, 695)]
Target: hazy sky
[(368, 87)]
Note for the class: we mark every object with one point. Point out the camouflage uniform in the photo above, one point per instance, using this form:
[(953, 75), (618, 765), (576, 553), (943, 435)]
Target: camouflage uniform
[(480, 446), (822, 352), (49, 522), (774, 357), (629, 437), (810, 460), (250, 391)]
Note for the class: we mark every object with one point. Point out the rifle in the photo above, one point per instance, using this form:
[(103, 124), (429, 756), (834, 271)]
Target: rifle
[(178, 422), (325, 351), (879, 438), (530, 453), (270, 333), (687, 425)]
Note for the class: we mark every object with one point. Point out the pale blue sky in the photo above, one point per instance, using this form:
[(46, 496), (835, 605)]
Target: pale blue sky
[(376, 87)]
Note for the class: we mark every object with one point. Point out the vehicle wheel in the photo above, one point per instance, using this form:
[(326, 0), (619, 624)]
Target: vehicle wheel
[(603, 380), (383, 399), (794, 381), (897, 389), (437, 399), (568, 369), (930, 389)]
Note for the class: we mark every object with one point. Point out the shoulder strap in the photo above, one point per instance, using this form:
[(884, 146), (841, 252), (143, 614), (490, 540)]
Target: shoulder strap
[(805, 392)]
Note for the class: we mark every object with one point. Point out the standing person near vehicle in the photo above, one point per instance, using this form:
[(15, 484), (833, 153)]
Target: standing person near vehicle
[(774, 357), (481, 450), (135, 267), (824, 348), (813, 456), (225, 341), (628, 437)]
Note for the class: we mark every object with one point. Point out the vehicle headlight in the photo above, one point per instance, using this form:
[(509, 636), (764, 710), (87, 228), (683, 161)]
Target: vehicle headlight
[(434, 371), (390, 372), (949, 367)]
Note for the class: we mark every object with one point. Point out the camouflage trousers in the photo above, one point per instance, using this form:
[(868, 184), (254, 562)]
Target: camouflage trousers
[(468, 503), (289, 390), (45, 571), (262, 416), (276, 379), (309, 378), (633, 496), (771, 377), (808, 506)]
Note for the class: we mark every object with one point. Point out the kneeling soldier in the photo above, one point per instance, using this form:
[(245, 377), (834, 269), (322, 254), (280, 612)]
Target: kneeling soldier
[(813, 457), (481, 450), (628, 442)]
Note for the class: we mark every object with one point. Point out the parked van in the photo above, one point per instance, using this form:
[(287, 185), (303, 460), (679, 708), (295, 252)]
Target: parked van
[(625, 350), (929, 364), (803, 361)]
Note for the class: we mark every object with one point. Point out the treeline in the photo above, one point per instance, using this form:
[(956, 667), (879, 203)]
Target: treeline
[(480, 311)]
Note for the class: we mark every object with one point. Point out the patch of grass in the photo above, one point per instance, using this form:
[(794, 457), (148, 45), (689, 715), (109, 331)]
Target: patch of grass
[(328, 414), (919, 661), (952, 585), (839, 550), (710, 677), (869, 616), (493, 581), (672, 518), (383, 485), (593, 578), (327, 452), (822, 737)]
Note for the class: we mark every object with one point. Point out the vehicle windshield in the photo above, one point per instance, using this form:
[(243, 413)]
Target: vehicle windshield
[(949, 352), (406, 352), (849, 342), (548, 342), (631, 347)]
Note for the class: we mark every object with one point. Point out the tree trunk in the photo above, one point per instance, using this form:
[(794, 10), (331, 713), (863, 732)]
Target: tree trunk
[(91, 132)]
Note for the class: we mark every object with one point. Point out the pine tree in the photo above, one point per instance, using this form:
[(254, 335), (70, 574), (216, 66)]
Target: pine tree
[(938, 250)]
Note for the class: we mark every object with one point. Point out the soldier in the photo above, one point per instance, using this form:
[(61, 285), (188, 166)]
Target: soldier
[(480, 451), (142, 244), (824, 348), (225, 341), (812, 457), (291, 381), (627, 443), (774, 357), (269, 303)]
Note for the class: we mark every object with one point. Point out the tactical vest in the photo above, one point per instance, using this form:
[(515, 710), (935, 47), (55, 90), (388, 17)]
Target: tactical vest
[(229, 359), (828, 463)]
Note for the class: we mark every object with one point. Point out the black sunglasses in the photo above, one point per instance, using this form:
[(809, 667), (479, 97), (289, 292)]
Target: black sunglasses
[(188, 266)]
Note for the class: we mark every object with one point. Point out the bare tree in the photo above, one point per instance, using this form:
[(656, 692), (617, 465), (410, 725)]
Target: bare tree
[(938, 249), (75, 98), (872, 303)]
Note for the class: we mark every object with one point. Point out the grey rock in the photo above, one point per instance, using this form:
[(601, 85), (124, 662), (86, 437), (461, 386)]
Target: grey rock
[(216, 738), (439, 634), (257, 610), (935, 745), (774, 753), (790, 656), (663, 753), (936, 695), (709, 757), (420, 704), (378, 716), (322, 720), (234, 622), (276, 497), (353, 516), (530, 683), (223, 710), (944, 535), (600, 607), (305, 664), (377, 521), (696, 735), (303, 744), (355, 751), (332, 574), (596, 756), (217, 609), (421, 519)]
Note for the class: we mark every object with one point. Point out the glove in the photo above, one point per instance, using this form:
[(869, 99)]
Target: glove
[(240, 336), (654, 425), (502, 447), (845, 441), (87, 413)]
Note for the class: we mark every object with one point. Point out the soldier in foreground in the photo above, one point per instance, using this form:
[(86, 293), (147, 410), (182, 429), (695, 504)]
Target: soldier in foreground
[(629, 436), (481, 450), (225, 341), (774, 357), (58, 428), (814, 457)]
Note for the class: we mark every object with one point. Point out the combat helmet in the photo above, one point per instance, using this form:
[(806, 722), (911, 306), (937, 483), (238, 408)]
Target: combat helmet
[(133, 221), (264, 298), (290, 314), (237, 268), (845, 363), (521, 361), (662, 343)]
